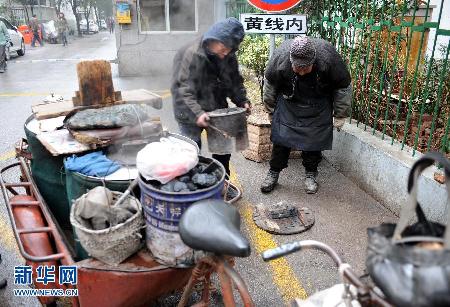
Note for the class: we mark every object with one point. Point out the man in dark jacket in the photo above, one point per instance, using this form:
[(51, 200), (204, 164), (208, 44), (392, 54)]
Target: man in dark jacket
[(35, 26), (306, 84), (205, 74)]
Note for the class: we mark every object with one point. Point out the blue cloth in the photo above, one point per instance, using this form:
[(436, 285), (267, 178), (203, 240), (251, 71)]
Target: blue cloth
[(92, 164), (229, 31)]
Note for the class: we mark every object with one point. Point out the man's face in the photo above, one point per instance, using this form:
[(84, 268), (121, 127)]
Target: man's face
[(302, 70), (218, 49)]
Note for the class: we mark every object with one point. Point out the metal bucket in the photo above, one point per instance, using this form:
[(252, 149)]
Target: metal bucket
[(227, 131), (163, 211), (232, 121)]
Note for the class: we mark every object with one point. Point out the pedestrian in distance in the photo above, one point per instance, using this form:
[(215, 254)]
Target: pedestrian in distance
[(4, 44), (34, 25), (205, 74), (306, 84), (62, 27), (111, 24)]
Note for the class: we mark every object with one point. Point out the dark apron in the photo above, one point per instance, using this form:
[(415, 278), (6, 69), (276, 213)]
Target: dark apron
[(304, 120)]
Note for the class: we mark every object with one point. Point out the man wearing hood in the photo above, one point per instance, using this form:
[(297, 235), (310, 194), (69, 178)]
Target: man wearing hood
[(306, 84), (205, 74)]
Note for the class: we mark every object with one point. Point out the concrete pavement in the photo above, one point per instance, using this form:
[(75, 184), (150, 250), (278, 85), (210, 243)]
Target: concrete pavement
[(342, 210)]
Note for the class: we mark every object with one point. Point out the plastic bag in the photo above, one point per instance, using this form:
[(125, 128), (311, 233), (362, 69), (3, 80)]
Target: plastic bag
[(166, 159)]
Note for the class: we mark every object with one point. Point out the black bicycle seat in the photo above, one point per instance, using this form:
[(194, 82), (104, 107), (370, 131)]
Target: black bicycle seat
[(213, 226)]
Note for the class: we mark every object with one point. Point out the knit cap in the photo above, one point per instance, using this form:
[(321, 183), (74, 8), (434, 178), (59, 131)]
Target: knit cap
[(303, 51)]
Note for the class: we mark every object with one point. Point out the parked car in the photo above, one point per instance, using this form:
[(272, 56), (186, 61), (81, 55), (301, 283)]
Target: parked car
[(103, 25), (17, 41), (93, 27)]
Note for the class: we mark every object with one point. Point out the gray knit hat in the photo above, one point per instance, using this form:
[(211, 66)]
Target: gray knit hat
[(303, 51)]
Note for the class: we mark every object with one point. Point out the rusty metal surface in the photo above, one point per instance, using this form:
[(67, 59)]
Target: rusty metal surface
[(35, 200), (228, 278), (283, 218), (136, 282), (36, 234)]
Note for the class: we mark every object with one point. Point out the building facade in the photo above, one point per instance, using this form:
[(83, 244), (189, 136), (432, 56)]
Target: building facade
[(158, 29)]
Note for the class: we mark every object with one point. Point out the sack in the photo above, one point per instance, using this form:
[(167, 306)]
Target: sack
[(166, 159), (411, 264)]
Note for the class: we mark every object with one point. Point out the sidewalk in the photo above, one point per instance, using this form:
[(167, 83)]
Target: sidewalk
[(342, 211)]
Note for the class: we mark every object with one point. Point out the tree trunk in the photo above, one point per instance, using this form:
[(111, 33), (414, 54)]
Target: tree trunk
[(77, 17), (96, 16)]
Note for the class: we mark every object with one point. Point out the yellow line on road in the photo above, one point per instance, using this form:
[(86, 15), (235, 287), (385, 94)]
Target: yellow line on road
[(7, 155), (7, 239), (283, 275)]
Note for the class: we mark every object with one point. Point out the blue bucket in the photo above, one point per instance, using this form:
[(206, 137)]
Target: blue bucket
[(163, 211)]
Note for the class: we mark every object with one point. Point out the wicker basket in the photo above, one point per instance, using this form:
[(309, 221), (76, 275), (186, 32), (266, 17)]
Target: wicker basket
[(112, 245)]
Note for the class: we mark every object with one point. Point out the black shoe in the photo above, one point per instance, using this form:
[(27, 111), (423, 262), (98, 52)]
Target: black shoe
[(3, 283), (270, 181)]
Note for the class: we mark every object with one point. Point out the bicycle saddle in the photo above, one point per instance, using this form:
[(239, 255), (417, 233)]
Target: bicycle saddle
[(213, 226)]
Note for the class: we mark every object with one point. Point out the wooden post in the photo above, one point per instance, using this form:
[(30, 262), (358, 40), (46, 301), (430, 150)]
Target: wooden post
[(95, 84)]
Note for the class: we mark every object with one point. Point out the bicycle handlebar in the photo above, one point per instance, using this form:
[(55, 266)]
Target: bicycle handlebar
[(293, 247), (281, 251)]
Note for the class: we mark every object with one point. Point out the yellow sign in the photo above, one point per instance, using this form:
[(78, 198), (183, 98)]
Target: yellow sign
[(123, 12)]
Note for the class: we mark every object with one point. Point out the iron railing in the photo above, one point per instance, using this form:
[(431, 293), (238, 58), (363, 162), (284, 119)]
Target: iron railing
[(398, 54)]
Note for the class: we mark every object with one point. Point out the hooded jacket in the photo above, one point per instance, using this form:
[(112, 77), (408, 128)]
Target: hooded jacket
[(4, 35), (201, 82)]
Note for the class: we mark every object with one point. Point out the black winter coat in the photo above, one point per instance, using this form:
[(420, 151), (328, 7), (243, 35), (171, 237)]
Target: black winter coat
[(304, 106), (201, 82)]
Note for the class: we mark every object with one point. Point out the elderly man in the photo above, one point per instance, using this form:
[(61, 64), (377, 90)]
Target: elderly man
[(4, 41), (306, 84), (205, 74)]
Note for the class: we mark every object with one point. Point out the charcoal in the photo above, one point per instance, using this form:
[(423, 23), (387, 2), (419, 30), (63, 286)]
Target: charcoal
[(168, 187), (204, 180), (184, 179), (180, 186), (218, 173), (191, 186)]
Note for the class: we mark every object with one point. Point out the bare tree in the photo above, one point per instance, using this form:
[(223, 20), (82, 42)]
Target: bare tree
[(87, 6), (74, 4)]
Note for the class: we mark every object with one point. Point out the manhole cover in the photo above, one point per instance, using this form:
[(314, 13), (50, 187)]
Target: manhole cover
[(283, 218)]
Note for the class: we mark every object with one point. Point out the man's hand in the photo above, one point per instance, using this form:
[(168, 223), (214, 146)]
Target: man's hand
[(338, 123), (248, 108), (202, 120)]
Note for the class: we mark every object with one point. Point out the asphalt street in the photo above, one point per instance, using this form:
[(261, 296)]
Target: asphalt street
[(342, 210)]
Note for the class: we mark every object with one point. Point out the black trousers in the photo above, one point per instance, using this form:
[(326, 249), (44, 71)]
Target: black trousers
[(280, 158)]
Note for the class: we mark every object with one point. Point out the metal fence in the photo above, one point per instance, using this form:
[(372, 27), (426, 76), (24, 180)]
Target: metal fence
[(398, 53)]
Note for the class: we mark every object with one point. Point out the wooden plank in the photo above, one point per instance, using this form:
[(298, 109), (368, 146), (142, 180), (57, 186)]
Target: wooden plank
[(52, 109), (142, 96), (62, 108), (77, 99), (60, 142), (95, 83)]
